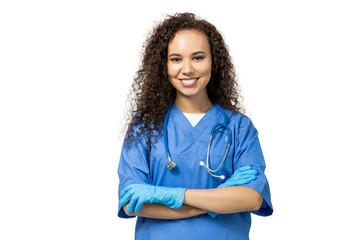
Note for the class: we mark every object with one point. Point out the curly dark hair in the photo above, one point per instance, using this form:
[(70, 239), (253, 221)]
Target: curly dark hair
[(152, 92)]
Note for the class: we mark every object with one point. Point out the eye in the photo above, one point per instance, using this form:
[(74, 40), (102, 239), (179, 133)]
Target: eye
[(175, 59), (198, 58)]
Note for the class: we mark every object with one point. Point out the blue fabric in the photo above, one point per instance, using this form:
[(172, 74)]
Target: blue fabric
[(188, 146)]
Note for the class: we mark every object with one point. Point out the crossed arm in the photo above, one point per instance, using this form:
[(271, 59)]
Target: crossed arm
[(199, 201)]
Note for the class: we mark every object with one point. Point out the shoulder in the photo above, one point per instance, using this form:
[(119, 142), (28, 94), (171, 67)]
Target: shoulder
[(237, 119), (240, 124), (242, 128)]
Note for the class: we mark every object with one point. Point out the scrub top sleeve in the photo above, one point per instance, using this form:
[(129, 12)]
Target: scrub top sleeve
[(133, 168), (248, 152)]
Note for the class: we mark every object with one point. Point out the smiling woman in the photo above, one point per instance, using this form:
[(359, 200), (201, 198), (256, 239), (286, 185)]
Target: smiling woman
[(152, 88), (186, 68)]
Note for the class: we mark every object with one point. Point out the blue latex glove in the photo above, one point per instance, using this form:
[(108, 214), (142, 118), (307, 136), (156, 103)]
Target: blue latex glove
[(241, 176), (140, 193)]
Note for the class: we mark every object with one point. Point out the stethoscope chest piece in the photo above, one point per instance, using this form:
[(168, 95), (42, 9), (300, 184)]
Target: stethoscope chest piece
[(171, 165)]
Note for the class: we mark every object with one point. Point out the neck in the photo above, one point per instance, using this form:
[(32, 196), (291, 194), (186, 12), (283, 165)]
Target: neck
[(193, 104)]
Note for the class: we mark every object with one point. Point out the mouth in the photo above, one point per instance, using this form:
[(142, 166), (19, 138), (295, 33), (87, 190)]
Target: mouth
[(188, 82)]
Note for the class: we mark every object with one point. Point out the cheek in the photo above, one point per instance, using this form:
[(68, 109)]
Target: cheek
[(173, 70), (204, 69)]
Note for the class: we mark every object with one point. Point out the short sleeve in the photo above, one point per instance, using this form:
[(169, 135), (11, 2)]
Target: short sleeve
[(248, 152), (133, 168)]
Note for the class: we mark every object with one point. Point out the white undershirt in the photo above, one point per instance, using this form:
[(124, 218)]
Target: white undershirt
[(194, 118)]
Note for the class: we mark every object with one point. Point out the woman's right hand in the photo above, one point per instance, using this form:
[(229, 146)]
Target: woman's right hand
[(137, 194)]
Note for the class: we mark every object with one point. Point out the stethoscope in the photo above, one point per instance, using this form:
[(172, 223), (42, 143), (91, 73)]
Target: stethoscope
[(216, 128)]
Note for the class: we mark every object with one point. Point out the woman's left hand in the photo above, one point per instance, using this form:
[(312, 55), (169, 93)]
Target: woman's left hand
[(241, 176)]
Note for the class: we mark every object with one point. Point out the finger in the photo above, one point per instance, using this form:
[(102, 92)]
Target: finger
[(252, 171), (132, 203), (128, 188), (241, 172), (124, 192), (243, 180), (251, 177), (244, 168), (139, 204), (126, 198), (247, 179), (249, 172)]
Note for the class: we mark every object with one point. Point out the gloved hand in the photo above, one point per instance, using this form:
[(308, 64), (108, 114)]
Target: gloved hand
[(241, 176), (140, 193)]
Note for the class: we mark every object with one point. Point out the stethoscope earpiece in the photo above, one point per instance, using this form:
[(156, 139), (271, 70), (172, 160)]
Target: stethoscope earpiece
[(203, 164)]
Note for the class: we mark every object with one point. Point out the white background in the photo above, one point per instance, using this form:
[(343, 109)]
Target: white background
[(66, 67)]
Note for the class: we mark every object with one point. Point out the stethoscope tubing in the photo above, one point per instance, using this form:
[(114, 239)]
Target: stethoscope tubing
[(214, 129)]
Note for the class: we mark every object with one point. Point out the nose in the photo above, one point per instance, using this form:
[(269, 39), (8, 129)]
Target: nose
[(187, 67)]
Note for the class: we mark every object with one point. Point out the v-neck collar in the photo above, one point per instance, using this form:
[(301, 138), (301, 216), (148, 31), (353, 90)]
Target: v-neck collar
[(185, 119), (194, 118), (186, 134)]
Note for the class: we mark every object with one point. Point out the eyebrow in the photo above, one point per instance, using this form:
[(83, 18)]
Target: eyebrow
[(176, 54)]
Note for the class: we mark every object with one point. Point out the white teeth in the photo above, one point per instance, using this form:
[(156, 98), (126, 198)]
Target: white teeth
[(188, 81)]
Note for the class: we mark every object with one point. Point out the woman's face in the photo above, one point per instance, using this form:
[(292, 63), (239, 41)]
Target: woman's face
[(189, 63)]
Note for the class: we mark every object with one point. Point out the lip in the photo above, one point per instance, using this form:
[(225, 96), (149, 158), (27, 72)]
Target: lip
[(188, 78), (189, 85)]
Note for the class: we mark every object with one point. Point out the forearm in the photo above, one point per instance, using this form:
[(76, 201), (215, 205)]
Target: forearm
[(224, 200), (160, 211)]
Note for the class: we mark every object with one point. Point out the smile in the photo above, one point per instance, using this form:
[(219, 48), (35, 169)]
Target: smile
[(189, 82)]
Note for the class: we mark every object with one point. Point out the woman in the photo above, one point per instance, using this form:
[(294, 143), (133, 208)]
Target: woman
[(178, 186)]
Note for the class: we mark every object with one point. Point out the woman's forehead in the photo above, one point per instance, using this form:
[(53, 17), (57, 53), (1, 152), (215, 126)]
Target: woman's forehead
[(188, 42)]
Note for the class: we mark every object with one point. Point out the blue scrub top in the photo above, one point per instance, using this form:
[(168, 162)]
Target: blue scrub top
[(188, 146)]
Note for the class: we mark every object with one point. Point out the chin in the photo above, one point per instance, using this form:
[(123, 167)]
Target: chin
[(188, 94)]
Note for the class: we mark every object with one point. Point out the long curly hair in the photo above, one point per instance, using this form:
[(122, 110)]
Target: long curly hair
[(151, 92)]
